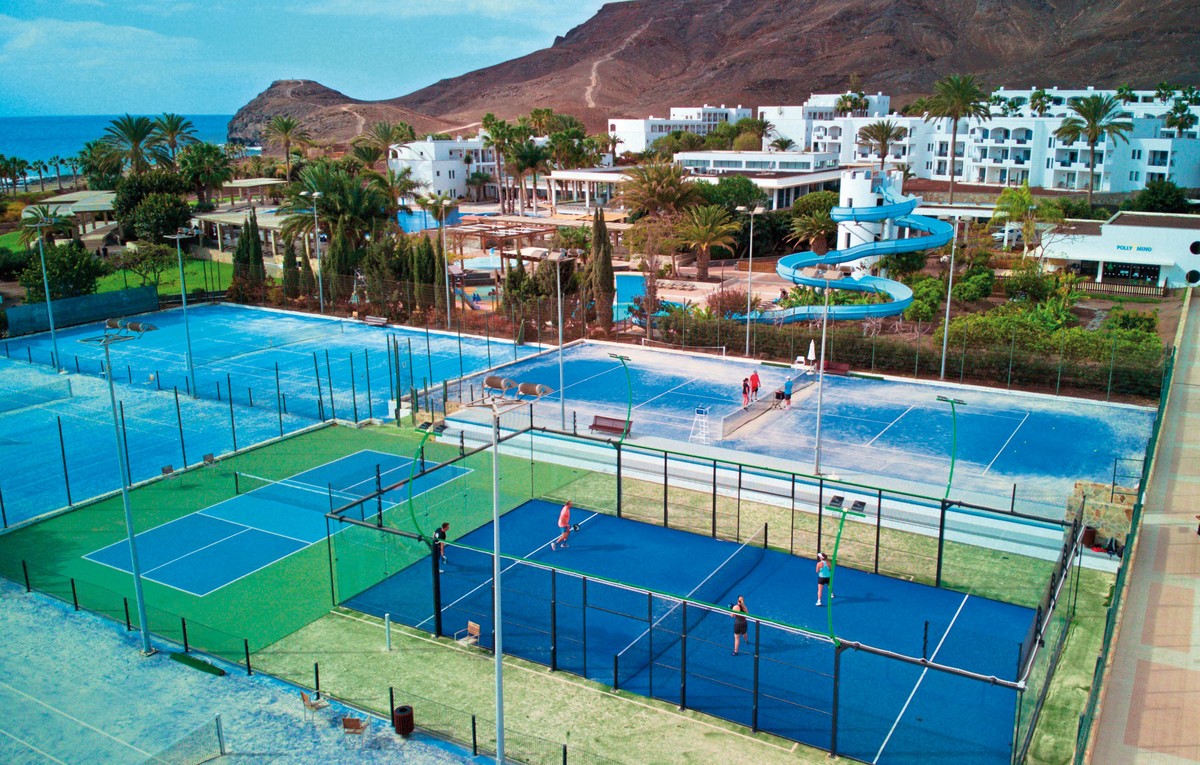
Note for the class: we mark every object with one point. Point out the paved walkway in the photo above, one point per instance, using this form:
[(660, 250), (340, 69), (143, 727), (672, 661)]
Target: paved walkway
[(1151, 704)]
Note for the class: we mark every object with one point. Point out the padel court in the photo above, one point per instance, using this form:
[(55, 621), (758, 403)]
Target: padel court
[(609, 607), (266, 522)]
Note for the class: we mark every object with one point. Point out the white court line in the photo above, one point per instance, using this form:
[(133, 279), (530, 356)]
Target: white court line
[(689, 381), (28, 745), (74, 719), (919, 679), (488, 581), (890, 424), (1006, 443)]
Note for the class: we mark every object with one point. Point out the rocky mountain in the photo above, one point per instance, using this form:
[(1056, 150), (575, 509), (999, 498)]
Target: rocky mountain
[(329, 116), (642, 57)]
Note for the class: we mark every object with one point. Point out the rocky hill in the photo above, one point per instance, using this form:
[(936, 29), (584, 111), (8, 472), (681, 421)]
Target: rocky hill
[(641, 57)]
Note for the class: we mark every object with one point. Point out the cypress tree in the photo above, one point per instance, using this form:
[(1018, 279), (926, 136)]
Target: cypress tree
[(603, 286), (291, 272), (254, 251), (308, 280)]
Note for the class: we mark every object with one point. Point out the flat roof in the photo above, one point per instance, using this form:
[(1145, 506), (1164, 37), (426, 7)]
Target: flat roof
[(1156, 220), (268, 220), (1079, 227), (65, 205), (250, 183)]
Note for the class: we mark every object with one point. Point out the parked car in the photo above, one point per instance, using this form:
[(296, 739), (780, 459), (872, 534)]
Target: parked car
[(1014, 236)]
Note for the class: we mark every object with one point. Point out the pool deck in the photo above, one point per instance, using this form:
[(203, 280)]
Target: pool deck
[(1150, 705)]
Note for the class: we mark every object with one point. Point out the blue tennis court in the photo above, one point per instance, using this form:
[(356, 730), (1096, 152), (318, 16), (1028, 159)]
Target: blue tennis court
[(640, 638), (1011, 446), (214, 547)]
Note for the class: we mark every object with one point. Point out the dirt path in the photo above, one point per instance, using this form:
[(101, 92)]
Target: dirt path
[(362, 121), (594, 84)]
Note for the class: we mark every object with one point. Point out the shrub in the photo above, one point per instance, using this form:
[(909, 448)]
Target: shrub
[(1121, 318), (13, 262), (920, 310)]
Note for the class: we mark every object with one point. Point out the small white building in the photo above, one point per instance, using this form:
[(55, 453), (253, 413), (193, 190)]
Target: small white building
[(637, 135), (1154, 249), (444, 165), (784, 176), (797, 122)]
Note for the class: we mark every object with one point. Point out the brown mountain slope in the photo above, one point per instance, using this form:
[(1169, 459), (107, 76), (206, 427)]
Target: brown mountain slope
[(641, 57), (329, 116)]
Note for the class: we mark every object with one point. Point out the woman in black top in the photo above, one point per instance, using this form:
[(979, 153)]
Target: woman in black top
[(739, 622)]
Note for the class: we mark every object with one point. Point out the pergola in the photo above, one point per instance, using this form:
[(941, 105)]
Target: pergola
[(506, 234), (246, 188), (222, 226), (84, 207)]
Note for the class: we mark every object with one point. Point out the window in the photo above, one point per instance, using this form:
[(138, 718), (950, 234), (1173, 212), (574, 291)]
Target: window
[(1135, 175), (728, 163), (1135, 154), (1050, 142), (759, 165), (1049, 163), (793, 166)]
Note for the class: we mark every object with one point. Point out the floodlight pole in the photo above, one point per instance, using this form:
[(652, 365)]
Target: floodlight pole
[(120, 336), (629, 385), (40, 225), (953, 437), (750, 270), (445, 205), (498, 647), (315, 195), (821, 382), (562, 394), (949, 287), (187, 330)]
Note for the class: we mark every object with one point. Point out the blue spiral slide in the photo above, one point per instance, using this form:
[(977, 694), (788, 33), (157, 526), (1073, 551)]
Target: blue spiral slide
[(938, 233)]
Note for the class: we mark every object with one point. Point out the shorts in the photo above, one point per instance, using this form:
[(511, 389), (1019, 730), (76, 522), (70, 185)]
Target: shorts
[(822, 580), (739, 627)]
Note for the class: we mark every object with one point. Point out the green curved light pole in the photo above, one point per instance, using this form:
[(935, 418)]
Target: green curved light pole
[(411, 476), (833, 563), (628, 384), (953, 402)]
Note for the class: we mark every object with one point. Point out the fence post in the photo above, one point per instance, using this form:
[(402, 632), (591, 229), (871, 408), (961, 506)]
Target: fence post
[(317, 679), (553, 620), (329, 385), (278, 400), (179, 420), (666, 491), (183, 624), (62, 448), (714, 500), (3, 512), (820, 508), (370, 402), (128, 624), (837, 677), (232, 424), (246, 646), (474, 738), (74, 595), (25, 571), (353, 388), (757, 645), (941, 540), (1112, 362), (619, 493), (878, 524), (320, 392), (792, 533)]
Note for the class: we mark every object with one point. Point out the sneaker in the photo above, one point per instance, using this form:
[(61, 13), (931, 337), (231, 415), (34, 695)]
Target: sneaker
[(818, 602), (562, 545), (552, 547), (441, 570)]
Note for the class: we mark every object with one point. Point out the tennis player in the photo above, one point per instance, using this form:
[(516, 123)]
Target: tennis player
[(439, 542), (739, 622), (564, 523), (755, 384), (824, 574)]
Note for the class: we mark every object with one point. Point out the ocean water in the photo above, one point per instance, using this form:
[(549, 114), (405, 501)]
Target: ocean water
[(34, 138)]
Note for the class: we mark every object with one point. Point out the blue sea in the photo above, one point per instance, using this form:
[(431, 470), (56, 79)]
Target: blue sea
[(34, 138)]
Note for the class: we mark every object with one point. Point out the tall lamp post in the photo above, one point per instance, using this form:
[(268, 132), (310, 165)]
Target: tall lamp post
[(949, 287), (758, 210), (821, 382), (953, 402), (123, 331), (314, 196), (187, 330), (445, 206), (629, 385), (41, 224), (562, 400)]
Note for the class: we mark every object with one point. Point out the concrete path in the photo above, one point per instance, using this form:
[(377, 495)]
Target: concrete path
[(1150, 707)]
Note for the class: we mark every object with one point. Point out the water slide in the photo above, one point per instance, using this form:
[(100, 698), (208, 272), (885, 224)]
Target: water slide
[(466, 299), (895, 207)]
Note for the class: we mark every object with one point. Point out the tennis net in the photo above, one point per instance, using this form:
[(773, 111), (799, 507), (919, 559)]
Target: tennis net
[(644, 650), (34, 395), (739, 417), (288, 491), (204, 744), (716, 350)]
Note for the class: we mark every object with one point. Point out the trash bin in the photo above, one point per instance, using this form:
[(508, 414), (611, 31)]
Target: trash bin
[(402, 720), (1089, 537)]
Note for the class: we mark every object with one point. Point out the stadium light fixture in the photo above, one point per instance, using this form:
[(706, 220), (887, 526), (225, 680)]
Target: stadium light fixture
[(124, 331), (558, 259), (953, 402), (40, 224), (179, 234), (758, 210), (314, 196), (949, 287)]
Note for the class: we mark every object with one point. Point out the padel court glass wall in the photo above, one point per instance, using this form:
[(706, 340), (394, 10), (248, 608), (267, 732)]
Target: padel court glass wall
[(806, 686)]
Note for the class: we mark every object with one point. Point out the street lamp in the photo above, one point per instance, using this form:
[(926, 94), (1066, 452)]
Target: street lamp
[(949, 286), (953, 402), (562, 401), (758, 210), (187, 330), (629, 385), (315, 195), (123, 331), (445, 205), (39, 225), (821, 382)]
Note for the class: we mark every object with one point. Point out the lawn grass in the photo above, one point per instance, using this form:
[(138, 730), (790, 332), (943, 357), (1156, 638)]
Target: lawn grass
[(11, 241), (200, 274)]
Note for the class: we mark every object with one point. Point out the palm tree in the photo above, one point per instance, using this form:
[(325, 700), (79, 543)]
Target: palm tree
[(540, 120), (1095, 117), (477, 181), (1039, 102), (705, 228), (285, 131), (15, 169), (1181, 117), (815, 228), (59, 228), (205, 166), (395, 187), (783, 144), (529, 159), (366, 155), (344, 201), (1164, 92), (73, 163), (40, 167), (760, 128), (498, 139), (1018, 205), (97, 160), (956, 98), (57, 162), (1126, 94), (174, 132), (133, 139), (1012, 106), (658, 189), (382, 136), (879, 136), (1190, 95), (916, 108)]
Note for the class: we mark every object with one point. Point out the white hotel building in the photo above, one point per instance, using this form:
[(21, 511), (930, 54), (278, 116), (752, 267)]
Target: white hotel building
[(444, 165), (639, 135)]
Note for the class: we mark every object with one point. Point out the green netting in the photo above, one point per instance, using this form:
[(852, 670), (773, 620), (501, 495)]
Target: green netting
[(32, 317)]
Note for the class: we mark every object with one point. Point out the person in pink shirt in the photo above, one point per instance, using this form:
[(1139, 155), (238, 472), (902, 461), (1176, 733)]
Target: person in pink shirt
[(755, 384), (564, 523)]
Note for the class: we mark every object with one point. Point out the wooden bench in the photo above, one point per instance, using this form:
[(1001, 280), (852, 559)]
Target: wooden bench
[(375, 321), (614, 425), (836, 368), (470, 636)]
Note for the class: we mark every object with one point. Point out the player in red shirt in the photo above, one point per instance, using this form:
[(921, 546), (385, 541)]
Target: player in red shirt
[(564, 523)]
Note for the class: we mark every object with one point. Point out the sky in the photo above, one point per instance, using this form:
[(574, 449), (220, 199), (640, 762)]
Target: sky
[(66, 57)]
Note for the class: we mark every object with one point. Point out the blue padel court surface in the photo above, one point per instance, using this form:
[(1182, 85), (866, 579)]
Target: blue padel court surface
[(322, 367), (211, 548), (888, 711), (873, 430)]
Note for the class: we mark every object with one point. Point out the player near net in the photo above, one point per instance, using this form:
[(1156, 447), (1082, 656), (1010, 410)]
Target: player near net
[(564, 524), (439, 543)]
